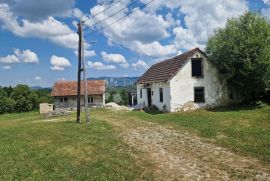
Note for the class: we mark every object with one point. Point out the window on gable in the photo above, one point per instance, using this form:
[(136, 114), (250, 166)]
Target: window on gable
[(140, 93), (199, 95), (197, 67), (90, 99), (160, 94)]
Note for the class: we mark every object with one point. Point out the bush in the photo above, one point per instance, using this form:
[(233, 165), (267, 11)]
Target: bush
[(22, 99), (241, 53)]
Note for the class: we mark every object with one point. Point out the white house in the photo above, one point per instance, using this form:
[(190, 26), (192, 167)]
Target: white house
[(65, 94), (187, 81)]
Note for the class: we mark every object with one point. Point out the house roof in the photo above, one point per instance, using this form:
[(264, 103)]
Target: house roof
[(163, 71), (69, 88)]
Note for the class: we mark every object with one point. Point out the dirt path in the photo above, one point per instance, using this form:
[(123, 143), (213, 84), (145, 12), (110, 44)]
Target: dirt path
[(181, 156)]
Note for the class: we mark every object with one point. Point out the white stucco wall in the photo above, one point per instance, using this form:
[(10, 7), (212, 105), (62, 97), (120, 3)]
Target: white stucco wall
[(182, 86), (143, 99), (99, 100), (155, 95)]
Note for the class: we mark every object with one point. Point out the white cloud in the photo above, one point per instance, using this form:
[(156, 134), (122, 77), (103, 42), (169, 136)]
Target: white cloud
[(37, 78), (77, 13), (7, 67), (50, 28), (143, 31), (136, 31), (59, 63), (140, 64), (10, 59), (114, 58), (100, 66), (266, 12), (124, 65), (39, 10), (184, 39), (87, 53), (26, 56), (154, 49), (202, 17), (266, 2)]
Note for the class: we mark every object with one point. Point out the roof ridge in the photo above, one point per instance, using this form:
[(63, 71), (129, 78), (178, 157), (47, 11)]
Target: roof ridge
[(168, 67), (194, 49)]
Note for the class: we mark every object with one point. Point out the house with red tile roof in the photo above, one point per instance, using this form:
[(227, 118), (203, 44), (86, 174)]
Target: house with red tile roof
[(65, 93), (187, 81)]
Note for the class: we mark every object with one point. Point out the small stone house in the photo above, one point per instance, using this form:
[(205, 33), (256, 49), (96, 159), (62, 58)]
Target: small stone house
[(187, 81), (65, 94)]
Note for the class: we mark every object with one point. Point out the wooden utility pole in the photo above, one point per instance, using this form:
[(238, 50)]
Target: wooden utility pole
[(86, 110), (80, 33)]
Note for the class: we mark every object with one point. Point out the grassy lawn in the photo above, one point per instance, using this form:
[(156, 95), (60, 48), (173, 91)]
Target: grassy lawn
[(60, 149), (245, 130), (34, 150)]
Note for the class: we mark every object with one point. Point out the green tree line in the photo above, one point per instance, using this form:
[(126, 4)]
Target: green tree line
[(22, 99)]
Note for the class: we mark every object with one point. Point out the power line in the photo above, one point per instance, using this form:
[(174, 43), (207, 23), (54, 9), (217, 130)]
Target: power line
[(117, 44), (143, 6), (101, 11), (113, 14)]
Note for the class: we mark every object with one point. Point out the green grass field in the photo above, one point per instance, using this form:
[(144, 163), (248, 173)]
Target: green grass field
[(31, 149), (60, 149)]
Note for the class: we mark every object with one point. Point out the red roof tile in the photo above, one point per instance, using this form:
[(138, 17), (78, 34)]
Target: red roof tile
[(69, 88), (163, 71)]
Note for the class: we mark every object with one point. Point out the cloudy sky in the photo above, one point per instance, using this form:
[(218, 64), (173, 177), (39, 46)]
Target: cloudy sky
[(38, 39)]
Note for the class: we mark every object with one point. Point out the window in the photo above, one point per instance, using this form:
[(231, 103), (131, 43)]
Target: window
[(61, 100), (160, 94), (140, 93), (197, 69), (90, 99), (199, 94), (65, 99)]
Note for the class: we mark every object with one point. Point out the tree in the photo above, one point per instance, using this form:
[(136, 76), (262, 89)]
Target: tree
[(124, 95), (2, 100), (33, 98), (9, 105), (44, 99), (20, 90), (23, 104), (20, 94), (241, 53), (117, 98), (8, 90)]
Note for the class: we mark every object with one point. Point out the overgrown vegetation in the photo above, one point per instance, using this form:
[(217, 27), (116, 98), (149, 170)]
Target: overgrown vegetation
[(241, 52), (22, 99)]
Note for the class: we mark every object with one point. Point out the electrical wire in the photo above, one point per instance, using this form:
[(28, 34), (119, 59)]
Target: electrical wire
[(143, 6), (115, 13), (109, 7), (117, 44)]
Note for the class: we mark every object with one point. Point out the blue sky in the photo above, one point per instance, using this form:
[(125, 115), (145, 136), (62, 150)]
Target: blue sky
[(38, 39)]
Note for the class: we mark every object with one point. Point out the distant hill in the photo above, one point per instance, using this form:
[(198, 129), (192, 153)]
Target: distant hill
[(40, 88), (117, 81)]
